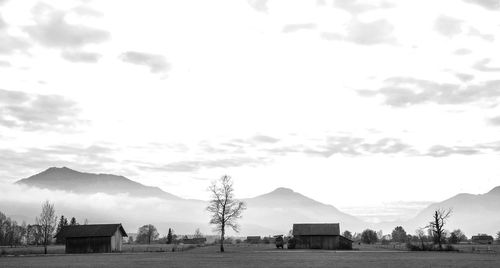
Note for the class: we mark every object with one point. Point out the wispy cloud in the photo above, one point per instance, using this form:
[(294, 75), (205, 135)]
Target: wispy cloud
[(196, 165), (482, 65), (448, 26), (290, 28), (36, 112), (156, 63), (488, 4), (404, 91), (259, 5), (52, 30), (365, 33), (80, 56)]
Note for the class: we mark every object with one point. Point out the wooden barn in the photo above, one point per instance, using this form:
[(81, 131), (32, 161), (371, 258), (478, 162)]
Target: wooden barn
[(482, 239), (92, 238), (319, 236)]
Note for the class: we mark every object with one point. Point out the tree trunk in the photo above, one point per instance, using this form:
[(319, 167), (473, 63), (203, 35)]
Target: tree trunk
[(45, 249), (222, 239)]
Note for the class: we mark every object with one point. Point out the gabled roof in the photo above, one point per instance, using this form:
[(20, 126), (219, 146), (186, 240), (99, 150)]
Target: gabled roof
[(316, 229), (90, 230)]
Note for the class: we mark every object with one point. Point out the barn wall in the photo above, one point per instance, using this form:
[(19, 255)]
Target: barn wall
[(88, 244), (317, 242)]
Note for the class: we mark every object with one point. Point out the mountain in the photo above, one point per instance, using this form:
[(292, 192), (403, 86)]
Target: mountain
[(472, 213), (69, 180), (279, 209)]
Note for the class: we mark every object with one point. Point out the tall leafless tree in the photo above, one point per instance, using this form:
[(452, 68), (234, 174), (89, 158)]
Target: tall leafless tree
[(47, 222), (224, 209), (439, 219)]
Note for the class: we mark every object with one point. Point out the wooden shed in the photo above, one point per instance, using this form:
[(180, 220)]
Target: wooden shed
[(319, 236), (92, 238), (482, 239)]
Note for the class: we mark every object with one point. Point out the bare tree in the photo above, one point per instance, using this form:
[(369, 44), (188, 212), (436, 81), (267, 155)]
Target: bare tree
[(224, 209), (47, 222), (197, 233), (436, 225)]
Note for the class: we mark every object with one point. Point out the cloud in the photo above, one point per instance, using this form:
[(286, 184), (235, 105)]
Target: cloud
[(289, 28), (52, 30), (464, 77), (495, 121), (481, 148), (80, 56), (482, 66), (259, 5), (156, 63), (36, 112), (86, 11), (462, 51), (358, 146), (22, 163), (264, 139), (488, 4), (379, 31), (5, 63), (196, 165), (448, 26), (477, 33), (442, 151), (404, 91), (10, 44), (356, 6), (365, 33)]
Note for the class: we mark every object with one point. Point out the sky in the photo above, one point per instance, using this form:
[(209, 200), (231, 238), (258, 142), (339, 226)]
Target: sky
[(366, 105)]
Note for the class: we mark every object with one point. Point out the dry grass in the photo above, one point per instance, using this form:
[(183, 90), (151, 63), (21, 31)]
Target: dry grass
[(259, 256)]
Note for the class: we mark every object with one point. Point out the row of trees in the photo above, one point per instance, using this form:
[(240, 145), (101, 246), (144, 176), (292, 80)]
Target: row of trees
[(40, 233), (148, 234), (434, 233)]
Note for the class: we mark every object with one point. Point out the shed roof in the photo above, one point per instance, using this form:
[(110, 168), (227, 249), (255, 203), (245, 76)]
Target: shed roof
[(316, 229), (90, 230)]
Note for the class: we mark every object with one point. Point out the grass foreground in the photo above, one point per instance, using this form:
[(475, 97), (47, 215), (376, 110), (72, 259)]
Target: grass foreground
[(258, 256)]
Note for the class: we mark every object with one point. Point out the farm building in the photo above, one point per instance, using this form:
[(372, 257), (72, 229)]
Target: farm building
[(253, 239), (92, 238), (482, 239), (319, 236)]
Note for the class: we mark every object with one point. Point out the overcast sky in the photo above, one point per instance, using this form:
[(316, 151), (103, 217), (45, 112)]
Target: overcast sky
[(353, 103)]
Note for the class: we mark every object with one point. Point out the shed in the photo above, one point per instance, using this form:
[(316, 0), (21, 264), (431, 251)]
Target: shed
[(320, 236), (482, 239), (253, 239), (92, 238)]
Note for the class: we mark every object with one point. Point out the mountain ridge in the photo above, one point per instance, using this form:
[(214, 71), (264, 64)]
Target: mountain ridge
[(70, 180)]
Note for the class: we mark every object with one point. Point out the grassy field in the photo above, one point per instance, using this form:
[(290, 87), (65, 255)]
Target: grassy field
[(259, 256)]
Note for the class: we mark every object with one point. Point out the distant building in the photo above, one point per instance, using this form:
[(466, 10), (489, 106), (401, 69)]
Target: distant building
[(92, 238), (253, 239), (319, 236), (482, 239)]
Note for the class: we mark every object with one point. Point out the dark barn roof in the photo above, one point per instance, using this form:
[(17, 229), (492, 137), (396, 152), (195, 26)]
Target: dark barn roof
[(90, 230), (316, 229)]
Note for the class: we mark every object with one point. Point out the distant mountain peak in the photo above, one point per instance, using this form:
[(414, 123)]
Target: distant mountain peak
[(494, 191), (66, 179), (283, 190)]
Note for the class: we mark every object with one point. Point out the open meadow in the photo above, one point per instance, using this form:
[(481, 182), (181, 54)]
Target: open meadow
[(259, 256)]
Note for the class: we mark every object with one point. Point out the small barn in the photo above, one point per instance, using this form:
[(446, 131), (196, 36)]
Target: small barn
[(92, 238), (482, 239), (319, 236), (253, 239)]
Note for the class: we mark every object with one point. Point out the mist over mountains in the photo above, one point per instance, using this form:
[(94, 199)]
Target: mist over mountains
[(104, 198)]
